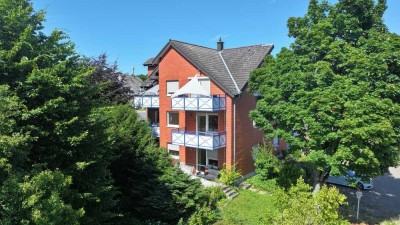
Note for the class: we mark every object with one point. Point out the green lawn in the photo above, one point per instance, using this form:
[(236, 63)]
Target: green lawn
[(249, 208)]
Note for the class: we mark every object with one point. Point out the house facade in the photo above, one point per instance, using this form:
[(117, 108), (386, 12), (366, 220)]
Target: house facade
[(199, 105)]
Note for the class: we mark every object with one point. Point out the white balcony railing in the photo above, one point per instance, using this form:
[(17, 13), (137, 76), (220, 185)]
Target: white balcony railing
[(203, 140), (199, 103), (146, 101)]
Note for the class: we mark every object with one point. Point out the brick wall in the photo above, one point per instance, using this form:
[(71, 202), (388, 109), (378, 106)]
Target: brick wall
[(174, 67), (150, 70), (246, 135)]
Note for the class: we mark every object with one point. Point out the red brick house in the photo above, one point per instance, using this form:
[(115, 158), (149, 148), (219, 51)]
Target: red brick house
[(201, 105)]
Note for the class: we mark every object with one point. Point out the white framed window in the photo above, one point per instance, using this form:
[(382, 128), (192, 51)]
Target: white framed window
[(173, 119), (207, 122), (172, 86), (173, 151)]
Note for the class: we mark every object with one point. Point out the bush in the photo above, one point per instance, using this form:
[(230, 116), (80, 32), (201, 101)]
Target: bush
[(204, 216), (290, 171), (228, 175), (215, 194), (267, 164), (207, 214), (297, 205), (264, 185)]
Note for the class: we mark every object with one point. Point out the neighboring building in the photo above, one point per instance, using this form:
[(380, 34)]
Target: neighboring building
[(133, 83), (198, 97)]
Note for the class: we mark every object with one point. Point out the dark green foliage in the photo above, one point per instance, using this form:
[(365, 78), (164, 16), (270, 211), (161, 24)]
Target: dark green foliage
[(334, 95), (209, 213), (267, 164), (105, 76), (55, 169), (150, 188), (289, 173)]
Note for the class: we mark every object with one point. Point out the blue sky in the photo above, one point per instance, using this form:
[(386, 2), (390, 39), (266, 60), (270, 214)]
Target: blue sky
[(131, 31)]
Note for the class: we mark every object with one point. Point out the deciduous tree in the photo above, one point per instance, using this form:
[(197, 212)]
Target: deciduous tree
[(334, 94)]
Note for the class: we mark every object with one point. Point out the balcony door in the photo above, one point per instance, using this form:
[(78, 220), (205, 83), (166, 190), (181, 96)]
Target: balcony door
[(207, 122)]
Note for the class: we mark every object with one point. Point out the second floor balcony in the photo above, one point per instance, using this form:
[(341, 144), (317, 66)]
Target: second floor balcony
[(199, 103), (146, 101), (202, 140)]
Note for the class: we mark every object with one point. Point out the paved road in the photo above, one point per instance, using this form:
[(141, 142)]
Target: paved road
[(380, 203)]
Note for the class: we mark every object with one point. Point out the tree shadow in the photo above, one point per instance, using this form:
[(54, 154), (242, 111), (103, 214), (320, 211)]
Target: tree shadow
[(376, 205)]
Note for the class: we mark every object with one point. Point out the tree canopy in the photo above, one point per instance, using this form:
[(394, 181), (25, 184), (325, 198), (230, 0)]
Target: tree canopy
[(68, 153), (334, 94)]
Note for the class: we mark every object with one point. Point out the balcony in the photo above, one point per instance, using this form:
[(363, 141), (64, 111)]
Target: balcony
[(146, 101), (199, 103), (203, 140)]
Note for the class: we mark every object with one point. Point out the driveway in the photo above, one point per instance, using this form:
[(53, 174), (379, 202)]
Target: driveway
[(379, 204)]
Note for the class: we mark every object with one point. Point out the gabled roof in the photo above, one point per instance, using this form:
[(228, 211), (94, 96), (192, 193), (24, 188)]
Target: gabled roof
[(149, 62), (132, 82), (151, 80), (229, 68)]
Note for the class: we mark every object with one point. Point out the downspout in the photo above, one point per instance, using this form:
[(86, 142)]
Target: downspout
[(234, 128), (234, 107)]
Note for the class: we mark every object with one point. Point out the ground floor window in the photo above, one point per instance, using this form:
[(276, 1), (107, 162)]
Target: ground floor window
[(173, 151), (207, 158)]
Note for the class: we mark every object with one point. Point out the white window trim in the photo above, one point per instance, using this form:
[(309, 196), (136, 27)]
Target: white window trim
[(169, 94), (173, 148), (207, 119), (172, 125)]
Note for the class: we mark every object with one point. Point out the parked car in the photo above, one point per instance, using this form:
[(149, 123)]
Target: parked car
[(351, 180)]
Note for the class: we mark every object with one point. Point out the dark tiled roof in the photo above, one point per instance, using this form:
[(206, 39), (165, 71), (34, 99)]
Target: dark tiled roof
[(132, 82), (240, 62), (149, 62)]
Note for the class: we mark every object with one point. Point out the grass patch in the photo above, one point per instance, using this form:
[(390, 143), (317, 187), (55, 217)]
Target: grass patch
[(391, 222), (249, 208), (263, 185)]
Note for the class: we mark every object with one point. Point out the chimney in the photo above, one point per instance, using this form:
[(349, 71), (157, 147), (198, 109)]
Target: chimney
[(220, 45)]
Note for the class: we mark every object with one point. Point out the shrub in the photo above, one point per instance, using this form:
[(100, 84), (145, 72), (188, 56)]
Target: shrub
[(215, 194), (290, 171), (228, 175), (264, 185), (267, 164), (204, 216), (297, 205), (207, 214)]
